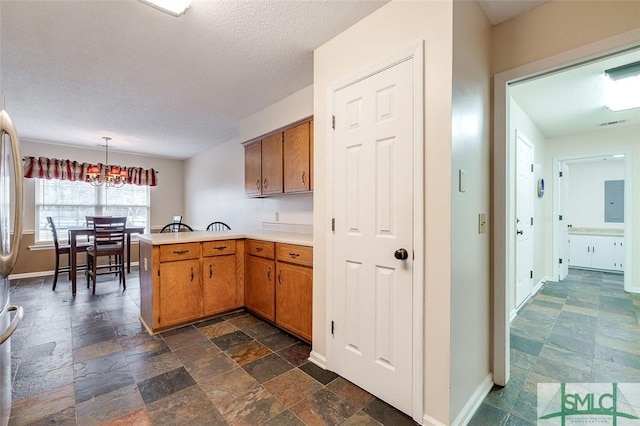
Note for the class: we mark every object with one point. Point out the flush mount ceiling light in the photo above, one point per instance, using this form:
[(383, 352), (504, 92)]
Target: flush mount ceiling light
[(622, 87), (172, 7)]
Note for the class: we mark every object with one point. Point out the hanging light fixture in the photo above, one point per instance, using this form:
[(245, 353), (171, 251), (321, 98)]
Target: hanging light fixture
[(109, 175)]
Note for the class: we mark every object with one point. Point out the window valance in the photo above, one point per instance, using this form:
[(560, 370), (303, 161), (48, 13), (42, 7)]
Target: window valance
[(52, 168)]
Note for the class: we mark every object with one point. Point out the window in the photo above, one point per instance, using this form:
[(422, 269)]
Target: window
[(69, 202)]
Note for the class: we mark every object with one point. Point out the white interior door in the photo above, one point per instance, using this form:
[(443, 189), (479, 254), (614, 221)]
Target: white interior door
[(373, 210), (524, 219), (563, 221)]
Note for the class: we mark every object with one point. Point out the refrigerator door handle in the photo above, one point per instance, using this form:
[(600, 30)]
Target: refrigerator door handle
[(14, 324), (8, 260)]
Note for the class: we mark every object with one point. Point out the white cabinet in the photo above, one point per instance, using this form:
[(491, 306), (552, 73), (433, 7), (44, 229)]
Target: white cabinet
[(597, 251)]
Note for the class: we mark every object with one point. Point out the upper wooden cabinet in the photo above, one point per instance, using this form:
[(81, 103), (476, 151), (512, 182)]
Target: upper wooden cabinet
[(297, 158), (280, 162)]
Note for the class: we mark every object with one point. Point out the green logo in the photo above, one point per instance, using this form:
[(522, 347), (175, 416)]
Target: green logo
[(584, 403)]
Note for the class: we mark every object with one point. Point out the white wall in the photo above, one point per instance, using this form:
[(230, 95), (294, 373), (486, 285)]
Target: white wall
[(470, 250), (542, 238), (214, 180), (392, 28), (166, 197), (586, 191)]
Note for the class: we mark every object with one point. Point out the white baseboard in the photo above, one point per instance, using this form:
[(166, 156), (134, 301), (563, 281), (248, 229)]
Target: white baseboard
[(474, 402), (319, 360), (534, 291), (430, 421)]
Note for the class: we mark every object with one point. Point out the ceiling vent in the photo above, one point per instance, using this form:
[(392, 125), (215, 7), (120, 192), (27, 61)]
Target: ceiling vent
[(611, 123)]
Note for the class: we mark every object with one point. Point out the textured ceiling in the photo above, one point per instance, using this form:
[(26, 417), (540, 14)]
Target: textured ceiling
[(74, 71), (572, 101)]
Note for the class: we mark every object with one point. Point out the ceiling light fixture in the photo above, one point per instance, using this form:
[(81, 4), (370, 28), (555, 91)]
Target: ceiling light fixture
[(107, 174), (172, 7), (622, 87)]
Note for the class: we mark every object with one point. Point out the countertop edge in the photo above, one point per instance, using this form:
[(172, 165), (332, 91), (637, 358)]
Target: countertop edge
[(203, 236)]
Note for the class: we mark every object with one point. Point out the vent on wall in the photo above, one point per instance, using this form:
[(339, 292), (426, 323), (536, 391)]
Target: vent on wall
[(611, 123)]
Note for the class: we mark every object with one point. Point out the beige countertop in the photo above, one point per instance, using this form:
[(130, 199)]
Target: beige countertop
[(199, 236), (597, 231)]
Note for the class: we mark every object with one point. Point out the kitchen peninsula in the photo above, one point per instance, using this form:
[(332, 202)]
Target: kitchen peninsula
[(188, 277)]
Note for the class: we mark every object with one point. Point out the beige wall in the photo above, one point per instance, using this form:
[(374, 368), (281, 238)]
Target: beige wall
[(392, 28), (470, 285), (166, 197), (215, 178), (559, 26)]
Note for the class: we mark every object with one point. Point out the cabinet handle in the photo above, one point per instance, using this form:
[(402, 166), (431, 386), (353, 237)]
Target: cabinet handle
[(259, 249), (264, 184), (593, 249), (303, 178), (181, 251), (210, 270), (294, 255), (220, 247), (192, 273), (280, 276), (258, 184), (588, 249), (269, 274)]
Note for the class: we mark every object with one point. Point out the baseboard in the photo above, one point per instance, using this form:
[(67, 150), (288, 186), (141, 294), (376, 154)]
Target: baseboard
[(319, 360), (474, 402), (43, 273), (430, 421)]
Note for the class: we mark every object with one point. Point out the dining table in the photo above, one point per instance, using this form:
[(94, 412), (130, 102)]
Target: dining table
[(78, 231)]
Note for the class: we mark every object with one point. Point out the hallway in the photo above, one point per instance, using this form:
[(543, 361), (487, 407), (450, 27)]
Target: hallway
[(583, 329)]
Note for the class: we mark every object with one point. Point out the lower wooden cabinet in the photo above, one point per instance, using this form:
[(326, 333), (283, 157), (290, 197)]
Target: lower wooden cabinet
[(294, 289), (259, 287), (180, 292), (219, 288)]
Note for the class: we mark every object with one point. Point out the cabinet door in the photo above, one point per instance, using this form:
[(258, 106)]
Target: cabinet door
[(580, 251), (294, 291), (253, 168), (605, 252), (259, 291), (272, 164), (219, 285), (180, 295), (296, 153)]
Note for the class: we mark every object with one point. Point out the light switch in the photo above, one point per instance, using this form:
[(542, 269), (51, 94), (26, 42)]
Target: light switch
[(145, 263), (482, 223), (462, 181)]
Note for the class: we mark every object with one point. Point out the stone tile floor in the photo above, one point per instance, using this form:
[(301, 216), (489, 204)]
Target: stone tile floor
[(88, 361), (583, 329)]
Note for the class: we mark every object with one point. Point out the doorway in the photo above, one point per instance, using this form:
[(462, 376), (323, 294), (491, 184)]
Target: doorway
[(505, 187)]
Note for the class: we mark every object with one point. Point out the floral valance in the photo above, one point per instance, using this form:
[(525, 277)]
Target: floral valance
[(52, 168)]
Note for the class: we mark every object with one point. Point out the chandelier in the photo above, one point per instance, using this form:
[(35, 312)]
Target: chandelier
[(108, 175)]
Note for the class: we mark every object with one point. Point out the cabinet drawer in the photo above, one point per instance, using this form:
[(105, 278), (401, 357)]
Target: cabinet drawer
[(260, 248), (218, 248), (300, 255), (172, 252)]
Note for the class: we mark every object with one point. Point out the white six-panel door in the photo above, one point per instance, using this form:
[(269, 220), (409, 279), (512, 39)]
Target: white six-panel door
[(524, 217), (373, 209)]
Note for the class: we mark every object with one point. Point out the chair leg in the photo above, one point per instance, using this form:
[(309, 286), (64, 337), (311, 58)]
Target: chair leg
[(94, 268), (55, 274), (122, 274), (88, 271)]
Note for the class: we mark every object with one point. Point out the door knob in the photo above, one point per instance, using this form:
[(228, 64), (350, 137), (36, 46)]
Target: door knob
[(520, 232), (401, 254)]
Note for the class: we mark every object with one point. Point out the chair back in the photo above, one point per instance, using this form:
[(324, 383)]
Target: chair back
[(108, 231), (176, 227), (218, 226), (54, 232)]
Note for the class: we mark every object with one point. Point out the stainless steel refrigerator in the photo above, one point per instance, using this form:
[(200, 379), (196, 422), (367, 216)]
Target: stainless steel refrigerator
[(11, 177)]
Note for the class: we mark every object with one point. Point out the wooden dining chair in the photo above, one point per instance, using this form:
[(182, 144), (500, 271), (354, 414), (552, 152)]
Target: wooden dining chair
[(176, 227), (60, 250), (218, 226), (108, 240)]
